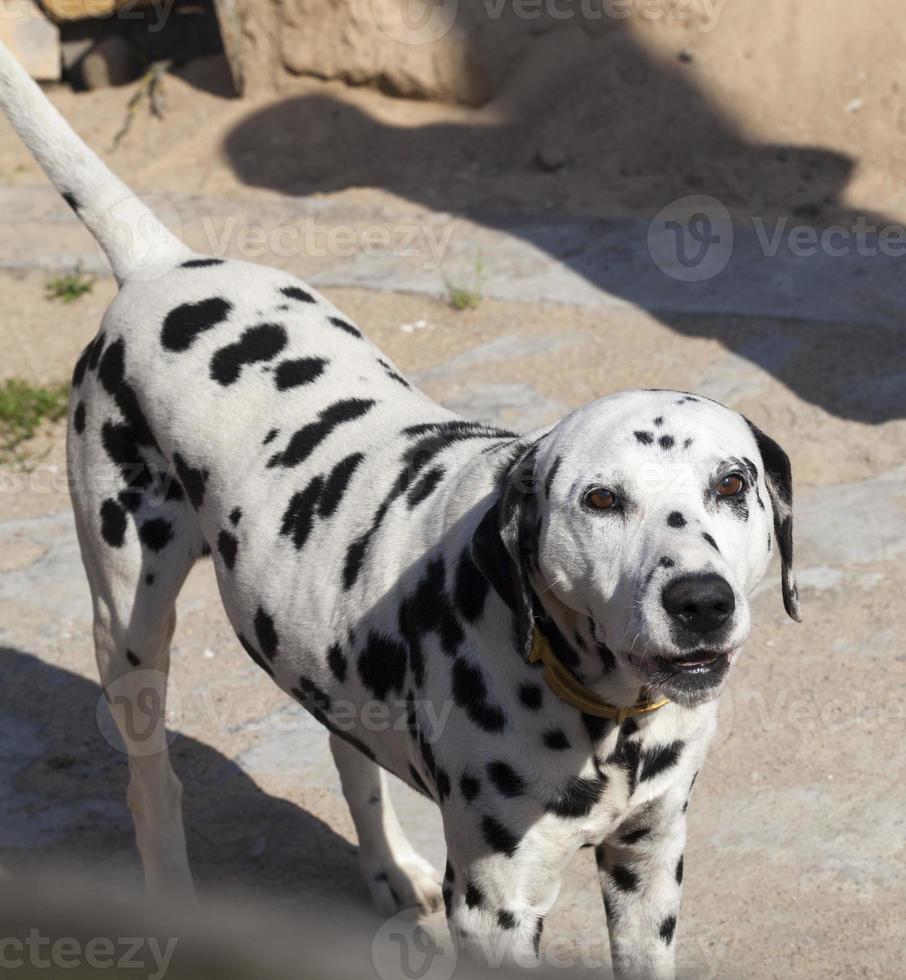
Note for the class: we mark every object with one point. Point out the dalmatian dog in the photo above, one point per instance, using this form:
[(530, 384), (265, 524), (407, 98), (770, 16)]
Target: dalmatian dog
[(532, 631)]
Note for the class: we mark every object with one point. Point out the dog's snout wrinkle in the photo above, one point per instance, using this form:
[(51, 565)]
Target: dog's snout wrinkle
[(701, 603)]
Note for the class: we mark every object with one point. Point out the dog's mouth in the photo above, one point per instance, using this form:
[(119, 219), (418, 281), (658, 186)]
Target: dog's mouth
[(697, 662), (689, 677)]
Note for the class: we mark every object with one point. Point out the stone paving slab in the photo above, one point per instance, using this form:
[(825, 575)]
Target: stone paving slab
[(788, 270)]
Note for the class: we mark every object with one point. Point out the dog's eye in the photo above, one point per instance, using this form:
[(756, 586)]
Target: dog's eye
[(730, 486), (601, 500)]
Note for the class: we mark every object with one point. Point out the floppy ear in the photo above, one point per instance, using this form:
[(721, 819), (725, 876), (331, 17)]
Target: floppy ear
[(499, 545), (778, 475)]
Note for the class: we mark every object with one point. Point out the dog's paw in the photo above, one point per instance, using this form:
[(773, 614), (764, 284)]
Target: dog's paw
[(405, 884)]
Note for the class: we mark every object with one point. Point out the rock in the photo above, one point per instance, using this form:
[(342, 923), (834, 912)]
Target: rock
[(110, 62), (63, 11), (371, 42), (362, 42), (551, 157), (32, 38)]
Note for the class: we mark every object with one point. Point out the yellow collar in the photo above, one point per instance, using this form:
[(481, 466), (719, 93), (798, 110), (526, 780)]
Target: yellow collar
[(569, 689)]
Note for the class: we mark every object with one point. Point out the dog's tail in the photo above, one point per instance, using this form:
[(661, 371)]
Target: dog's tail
[(136, 242)]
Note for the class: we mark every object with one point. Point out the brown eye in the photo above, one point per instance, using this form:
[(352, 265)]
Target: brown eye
[(730, 486), (601, 499)]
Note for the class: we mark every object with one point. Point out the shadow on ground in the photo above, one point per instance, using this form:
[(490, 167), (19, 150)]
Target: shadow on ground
[(560, 139), (63, 790)]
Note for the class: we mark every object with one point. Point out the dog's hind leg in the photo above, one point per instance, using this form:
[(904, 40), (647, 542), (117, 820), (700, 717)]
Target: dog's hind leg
[(397, 877), (138, 544)]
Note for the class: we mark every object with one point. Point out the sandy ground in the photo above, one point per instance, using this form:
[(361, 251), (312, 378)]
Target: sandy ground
[(795, 867)]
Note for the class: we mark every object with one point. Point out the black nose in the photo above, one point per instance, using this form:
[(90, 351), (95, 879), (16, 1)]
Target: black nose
[(702, 603)]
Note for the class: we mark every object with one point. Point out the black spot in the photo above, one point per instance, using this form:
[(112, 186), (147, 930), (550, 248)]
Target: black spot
[(253, 653), (474, 896), (442, 781), (270, 437), (536, 939), (634, 836), (71, 200), (308, 694), (687, 443), (506, 780), (506, 919), (596, 728), (294, 292), (228, 546), (420, 784), (531, 695), (656, 760), (424, 486), (471, 588), (355, 555), (470, 692), (337, 662), (337, 483), (130, 500), (113, 523), (668, 927), (78, 418), (174, 489), (200, 263), (556, 740), (301, 371), (132, 658), (298, 519), (608, 660), (305, 440), (428, 610), (156, 534), (81, 366), (645, 438), (666, 442), (149, 579), (235, 516), (499, 838), (469, 786), (261, 343), (552, 475), (346, 326), (679, 870), (578, 798), (183, 324), (676, 519), (393, 374), (710, 541), (659, 421), (266, 634), (94, 350), (666, 562), (624, 878), (382, 665), (194, 481)]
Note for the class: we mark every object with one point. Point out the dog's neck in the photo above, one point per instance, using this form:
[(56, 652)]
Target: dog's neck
[(573, 639)]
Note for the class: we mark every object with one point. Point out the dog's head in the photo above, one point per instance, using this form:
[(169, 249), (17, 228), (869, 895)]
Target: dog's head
[(654, 514)]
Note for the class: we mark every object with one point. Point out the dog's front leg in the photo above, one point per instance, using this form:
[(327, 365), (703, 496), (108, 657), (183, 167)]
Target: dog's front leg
[(641, 873), (496, 906)]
